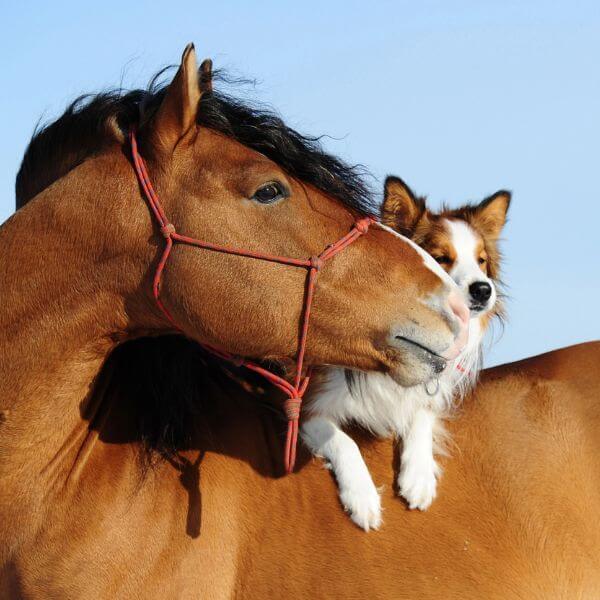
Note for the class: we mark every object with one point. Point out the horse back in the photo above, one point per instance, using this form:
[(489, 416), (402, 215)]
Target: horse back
[(517, 516)]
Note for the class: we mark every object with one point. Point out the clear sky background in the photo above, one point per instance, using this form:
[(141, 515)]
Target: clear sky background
[(458, 98)]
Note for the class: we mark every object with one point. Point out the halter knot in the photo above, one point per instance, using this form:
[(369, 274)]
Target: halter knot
[(291, 407), (316, 262), (362, 225), (167, 230)]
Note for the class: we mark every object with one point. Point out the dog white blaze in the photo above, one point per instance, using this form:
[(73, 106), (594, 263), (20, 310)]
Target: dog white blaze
[(465, 270)]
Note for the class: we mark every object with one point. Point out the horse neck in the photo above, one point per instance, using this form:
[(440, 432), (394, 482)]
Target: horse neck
[(69, 283)]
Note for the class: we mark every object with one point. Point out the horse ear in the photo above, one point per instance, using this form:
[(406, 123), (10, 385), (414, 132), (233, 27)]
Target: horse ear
[(206, 76), (177, 112), (490, 214), (401, 209)]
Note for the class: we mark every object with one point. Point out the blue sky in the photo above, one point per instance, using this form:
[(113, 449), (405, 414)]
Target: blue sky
[(458, 98)]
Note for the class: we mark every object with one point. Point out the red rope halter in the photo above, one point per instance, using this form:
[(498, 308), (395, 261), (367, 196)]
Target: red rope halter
[(296, 391)]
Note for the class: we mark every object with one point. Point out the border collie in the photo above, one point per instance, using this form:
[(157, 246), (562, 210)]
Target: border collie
[(464, 243)]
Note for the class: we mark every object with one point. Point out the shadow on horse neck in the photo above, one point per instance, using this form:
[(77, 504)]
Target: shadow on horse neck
[(167, 396), (174, 403)]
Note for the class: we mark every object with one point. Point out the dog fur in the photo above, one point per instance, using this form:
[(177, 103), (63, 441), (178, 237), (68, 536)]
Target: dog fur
[(464, 241)]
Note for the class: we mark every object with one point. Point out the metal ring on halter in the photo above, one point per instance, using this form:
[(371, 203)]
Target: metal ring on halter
[(437, 387)]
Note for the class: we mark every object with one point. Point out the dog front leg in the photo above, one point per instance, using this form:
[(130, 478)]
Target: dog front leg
[(417, 481), (357, 492)]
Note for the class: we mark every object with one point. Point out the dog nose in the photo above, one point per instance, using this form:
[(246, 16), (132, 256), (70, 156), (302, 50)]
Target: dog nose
[(480, 291)]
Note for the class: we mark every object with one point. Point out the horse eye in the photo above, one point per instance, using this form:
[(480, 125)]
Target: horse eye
[(270, 192), (443, 259)]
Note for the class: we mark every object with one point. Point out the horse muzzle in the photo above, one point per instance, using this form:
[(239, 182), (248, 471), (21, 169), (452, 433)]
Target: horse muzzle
[(420, 353)]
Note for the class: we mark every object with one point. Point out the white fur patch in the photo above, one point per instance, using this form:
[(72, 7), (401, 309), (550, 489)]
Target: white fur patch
[(358, 494), (465, 269), (417, 481)]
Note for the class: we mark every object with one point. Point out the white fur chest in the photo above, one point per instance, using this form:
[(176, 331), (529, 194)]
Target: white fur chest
[(376, 402)]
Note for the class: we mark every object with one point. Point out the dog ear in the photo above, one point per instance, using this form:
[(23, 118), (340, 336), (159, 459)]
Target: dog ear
[(401, 209), (490, 214)]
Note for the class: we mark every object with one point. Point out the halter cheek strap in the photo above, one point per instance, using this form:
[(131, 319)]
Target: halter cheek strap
[(313, 265)]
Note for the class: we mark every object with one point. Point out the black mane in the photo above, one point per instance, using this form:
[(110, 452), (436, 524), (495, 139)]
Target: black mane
[(85, 128)]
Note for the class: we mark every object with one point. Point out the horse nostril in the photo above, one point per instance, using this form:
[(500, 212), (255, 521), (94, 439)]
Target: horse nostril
[(480, 291)]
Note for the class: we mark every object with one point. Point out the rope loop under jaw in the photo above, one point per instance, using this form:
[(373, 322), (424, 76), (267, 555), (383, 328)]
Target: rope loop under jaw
[(432, 391), (293, 403)]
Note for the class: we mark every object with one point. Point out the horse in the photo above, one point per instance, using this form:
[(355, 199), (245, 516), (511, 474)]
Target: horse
[(80, 265)]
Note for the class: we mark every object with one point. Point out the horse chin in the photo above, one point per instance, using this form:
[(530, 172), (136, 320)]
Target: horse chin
[(416, 368)]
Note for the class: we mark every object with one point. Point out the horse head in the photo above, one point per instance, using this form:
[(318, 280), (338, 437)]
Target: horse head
[(381, 304), (238, 177)]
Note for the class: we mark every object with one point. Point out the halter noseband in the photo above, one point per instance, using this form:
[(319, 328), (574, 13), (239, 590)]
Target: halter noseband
[(313, 265)]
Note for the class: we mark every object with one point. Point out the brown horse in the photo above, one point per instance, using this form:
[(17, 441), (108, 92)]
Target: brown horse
[(76, 266)]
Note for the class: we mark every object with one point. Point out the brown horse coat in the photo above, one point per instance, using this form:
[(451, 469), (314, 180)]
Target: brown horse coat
[(517, 515)]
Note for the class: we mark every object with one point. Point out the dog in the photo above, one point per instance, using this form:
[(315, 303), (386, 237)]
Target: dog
[(464, 242)]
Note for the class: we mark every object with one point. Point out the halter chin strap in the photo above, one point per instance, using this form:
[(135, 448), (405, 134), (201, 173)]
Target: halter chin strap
[(313, 265)]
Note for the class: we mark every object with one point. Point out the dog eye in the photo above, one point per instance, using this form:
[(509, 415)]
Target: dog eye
[(270, 192), (443, 259), (481, 260)]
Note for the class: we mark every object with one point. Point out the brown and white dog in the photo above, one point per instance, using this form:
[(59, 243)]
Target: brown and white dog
[(464, 242)]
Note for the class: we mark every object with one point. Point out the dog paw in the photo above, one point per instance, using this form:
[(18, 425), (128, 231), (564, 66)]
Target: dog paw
[(362, 503), (417, 484)]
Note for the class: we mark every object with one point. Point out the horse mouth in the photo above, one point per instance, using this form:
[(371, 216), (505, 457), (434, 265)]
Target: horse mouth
[(423, 353)]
